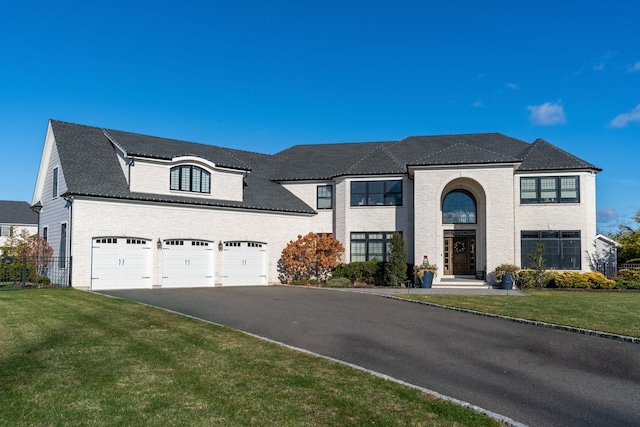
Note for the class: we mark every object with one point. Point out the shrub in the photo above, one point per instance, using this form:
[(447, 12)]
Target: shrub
[(360, 271), (626, 284), (632, 275), (339, 282), (577, 280), (395, 270), (310, 257), (599, 281)]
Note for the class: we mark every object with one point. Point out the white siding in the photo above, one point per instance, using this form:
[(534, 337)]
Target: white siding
[(55, 210)]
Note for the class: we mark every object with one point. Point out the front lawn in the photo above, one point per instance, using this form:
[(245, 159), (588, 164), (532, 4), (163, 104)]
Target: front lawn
[(72, 358), (614, 312)]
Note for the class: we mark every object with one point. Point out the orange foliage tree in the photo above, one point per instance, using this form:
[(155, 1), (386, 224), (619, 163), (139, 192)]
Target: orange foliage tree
[(310, 257)]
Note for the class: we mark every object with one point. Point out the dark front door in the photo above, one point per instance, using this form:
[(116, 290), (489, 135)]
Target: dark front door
[(459, 254)]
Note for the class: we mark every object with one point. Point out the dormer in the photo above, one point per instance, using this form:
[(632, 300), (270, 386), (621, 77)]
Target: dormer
[(186, 176)]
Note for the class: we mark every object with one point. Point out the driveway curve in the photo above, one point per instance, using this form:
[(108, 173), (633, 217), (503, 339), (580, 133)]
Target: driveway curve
[(537, 376)]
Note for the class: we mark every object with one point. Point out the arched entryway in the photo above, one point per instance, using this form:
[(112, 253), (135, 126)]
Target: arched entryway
[(462, 221)]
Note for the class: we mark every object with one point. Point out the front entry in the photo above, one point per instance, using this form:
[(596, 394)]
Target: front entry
[(459, 253)]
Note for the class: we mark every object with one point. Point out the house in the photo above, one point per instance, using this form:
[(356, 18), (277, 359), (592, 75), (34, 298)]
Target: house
[(137, 211), (16, 217)]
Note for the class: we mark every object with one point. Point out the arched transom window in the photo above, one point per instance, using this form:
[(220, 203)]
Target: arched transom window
[(459, 207), (190, 178)]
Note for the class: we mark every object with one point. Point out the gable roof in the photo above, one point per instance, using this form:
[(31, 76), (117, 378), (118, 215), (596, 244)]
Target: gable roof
[(91, 168), (17, 213)]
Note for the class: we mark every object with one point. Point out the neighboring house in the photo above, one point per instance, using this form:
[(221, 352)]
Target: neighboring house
[(136, 211), (605, 255), (16, 217)]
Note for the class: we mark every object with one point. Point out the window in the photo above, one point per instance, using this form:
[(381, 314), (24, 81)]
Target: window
[(370, 246), (63, 246), (45, 233), (190, 178), (550, 189), (5, 231), (562, 249), (459, 207), (55, 183), (325, 197), (376, 193)]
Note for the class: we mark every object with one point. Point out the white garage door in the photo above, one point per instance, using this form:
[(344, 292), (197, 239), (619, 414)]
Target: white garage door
[(120, 263), (244, 263), (187, 263)]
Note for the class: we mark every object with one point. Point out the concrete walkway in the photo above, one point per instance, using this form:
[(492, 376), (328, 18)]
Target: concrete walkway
[(380, 290)]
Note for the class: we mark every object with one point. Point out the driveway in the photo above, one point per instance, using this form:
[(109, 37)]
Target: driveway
[(537, 376)]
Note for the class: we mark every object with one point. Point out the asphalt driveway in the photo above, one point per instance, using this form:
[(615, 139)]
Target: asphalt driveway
[(537, 376)]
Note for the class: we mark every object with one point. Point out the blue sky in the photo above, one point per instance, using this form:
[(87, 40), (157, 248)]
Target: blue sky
[(263, 76)]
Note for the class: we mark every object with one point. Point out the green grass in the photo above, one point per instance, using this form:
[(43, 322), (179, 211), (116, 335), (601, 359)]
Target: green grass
[(71, 358), (614, 312)]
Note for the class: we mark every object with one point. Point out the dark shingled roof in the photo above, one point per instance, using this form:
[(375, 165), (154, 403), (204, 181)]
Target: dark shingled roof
[(544, 156), (91, 167), (14, 213)]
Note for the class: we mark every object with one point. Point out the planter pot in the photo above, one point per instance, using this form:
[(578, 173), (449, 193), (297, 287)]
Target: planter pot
[(427, 279), (507, 281)]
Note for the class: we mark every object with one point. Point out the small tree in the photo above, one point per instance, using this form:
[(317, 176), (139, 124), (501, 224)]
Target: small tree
[(311, 256), (629, 239), (536, 258), (35, 249), (395, 270)]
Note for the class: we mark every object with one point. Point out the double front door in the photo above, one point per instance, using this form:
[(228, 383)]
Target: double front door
[(459, 255)]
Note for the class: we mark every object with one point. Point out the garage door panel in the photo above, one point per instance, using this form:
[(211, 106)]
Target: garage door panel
[(244, 263), (120, 263), (187, 263)]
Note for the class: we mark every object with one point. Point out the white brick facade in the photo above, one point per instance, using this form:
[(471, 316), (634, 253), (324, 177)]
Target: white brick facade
[(494, 187)]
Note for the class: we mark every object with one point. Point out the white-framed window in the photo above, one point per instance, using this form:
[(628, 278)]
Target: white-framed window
[(190, 178), (45, 233), (325, 197), (550, 189), (55, 183), (6, 231), (376, 193)]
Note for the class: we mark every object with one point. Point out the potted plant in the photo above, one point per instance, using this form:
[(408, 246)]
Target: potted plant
[(506, 275), (425, 274)]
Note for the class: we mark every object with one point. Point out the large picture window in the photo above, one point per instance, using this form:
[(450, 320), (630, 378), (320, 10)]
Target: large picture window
[(370, 246), (562, 249), (376, 193), (550, 189), (190, 178), (459, 207), (325, 197)]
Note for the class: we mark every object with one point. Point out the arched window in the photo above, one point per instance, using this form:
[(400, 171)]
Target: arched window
[(459, 207), (190, 178)]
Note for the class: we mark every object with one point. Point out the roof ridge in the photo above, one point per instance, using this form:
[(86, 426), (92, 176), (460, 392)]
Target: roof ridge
[(369, 154)]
